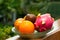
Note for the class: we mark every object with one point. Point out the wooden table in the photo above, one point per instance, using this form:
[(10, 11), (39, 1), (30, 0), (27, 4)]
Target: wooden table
[(53, 35)]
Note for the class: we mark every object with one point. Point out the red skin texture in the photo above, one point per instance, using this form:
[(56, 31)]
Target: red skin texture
[(48, 22)]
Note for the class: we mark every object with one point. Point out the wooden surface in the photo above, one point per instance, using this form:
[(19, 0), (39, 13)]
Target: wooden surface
[(55, 36)]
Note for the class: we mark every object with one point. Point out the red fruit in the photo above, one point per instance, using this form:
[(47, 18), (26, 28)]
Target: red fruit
[(44, 22)]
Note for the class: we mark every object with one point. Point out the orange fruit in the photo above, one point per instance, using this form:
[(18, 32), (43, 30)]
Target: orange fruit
[(18, 22), (26, 27)]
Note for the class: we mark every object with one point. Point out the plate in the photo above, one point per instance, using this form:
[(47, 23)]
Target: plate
[(55, 29), (33, 35), (40, 34)]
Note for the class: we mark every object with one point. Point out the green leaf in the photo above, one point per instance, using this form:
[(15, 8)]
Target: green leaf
[(1, 1)]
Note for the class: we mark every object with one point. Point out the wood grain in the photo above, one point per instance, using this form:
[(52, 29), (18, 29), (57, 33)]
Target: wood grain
[(55, 36)]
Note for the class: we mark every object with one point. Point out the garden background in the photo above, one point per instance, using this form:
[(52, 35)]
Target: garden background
[(10, 10)]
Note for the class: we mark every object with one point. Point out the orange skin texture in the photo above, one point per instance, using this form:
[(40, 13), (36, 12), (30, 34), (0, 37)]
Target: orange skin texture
[(26, 27), (18, 22)]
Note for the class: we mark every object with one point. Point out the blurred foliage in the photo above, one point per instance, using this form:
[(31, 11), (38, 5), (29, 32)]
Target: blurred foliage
[(6, 32), (54, 9), (22, 6), (11, 8), (55, 0), (37, 6)]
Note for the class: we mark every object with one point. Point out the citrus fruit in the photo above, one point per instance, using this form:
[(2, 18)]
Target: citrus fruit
[(26, 27), (18, 22)]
